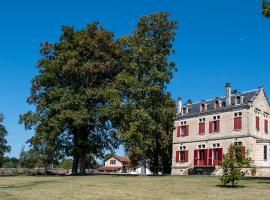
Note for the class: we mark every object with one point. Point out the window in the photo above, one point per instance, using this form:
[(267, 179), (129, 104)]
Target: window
[(113, 162), (182, 131), (182, 155), (216, 104), (257, 123), (265, 152), (184, 111), (237, 121), (202, 126), (238, 100), (203, 107), (214, 126)]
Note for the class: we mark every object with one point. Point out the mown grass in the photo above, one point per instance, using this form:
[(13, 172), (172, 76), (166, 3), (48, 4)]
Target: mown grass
[(113, 187)]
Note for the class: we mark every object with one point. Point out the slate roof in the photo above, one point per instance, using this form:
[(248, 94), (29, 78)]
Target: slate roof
[(194, 108)]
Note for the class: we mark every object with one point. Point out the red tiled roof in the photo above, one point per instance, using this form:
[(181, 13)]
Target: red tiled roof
[(108, 169), (122, 158)]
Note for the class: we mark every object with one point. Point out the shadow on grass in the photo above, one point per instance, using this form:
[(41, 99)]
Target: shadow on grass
[(24, 185), (231, 187)]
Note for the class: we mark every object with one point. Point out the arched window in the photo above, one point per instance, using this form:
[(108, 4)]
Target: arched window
[(202, 107), (184, 110), (238, 100), (216, 105)]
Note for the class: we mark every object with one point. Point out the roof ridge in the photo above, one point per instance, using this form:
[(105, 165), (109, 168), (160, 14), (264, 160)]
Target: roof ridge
[(198, 102)]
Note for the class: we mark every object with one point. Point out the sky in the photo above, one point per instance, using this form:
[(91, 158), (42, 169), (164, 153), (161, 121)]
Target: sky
[(216, 42)]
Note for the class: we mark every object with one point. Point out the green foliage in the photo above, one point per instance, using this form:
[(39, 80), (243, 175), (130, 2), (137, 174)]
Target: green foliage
[(4, 148), (65, 164), (266, 8), (233, 163), (73, 95), (10, 162), (30, 159), (148, 110)]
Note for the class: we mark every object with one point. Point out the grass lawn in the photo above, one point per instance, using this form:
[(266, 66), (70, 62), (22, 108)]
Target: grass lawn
[(147, 188)]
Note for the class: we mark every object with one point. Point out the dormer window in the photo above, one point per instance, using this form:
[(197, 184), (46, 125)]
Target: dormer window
[(238, 100), (203, 107), (184, 110), (216, 104)]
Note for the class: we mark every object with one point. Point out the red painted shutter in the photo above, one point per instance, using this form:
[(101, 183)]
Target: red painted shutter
[(210, 127), (177, 156), (200, 128), (210, 151), (240, 123), (258, 123), (205, 152), (244, 152), (186, 156), (220, 153), (235, 123), (187, 130), (266, 126), (178, 131), (196, 157), (218, 126)]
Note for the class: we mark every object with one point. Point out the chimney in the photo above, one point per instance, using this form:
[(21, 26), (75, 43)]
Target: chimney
[(179, 105), (260, 87), (228, 92)]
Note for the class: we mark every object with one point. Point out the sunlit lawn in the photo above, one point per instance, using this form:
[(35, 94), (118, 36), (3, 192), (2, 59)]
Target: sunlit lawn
[(109, 187)]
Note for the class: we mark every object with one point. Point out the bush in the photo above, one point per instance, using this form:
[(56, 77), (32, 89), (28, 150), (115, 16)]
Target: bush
[(233, 163)]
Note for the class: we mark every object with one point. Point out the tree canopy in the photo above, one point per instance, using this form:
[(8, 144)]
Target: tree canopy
[(4, 147)]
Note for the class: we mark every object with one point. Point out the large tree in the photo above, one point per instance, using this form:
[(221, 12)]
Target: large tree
[(4, 147), (73, 93), (148, 122), (266, 8)]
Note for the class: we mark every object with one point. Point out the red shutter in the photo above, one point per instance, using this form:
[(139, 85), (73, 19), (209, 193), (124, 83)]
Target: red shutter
[(205, 152), (178, 131), (235, 123), (202, 128), (266, 126), (196, 157), (244, 152), (210, 127), (258, 123), (220, 153), (186, 156), (177, 156), (218, 126), (210, 157), (187, 130), (239, 122)]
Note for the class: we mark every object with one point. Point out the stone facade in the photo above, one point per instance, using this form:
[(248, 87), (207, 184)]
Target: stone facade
[(205, 130)]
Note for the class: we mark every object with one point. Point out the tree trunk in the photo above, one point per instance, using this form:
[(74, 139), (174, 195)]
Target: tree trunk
[(75, 164), (143, 163), (75, 156), (82, 164)]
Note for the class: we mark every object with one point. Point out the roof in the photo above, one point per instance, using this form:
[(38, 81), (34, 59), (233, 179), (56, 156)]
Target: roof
[(194, 109), (122, 158), (108, 169)]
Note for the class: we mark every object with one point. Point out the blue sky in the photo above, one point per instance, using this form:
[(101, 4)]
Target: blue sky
[(217, 42)]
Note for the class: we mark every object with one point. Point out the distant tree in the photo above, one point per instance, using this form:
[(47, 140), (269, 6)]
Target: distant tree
[(233, 163), (266, 8), (109, 155), (149, 110), (4, 148), (65, 164), (73, 94), (10, 162), (30, 159)]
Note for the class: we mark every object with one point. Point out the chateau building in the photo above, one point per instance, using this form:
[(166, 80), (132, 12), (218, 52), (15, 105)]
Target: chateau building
[(205, 130)]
